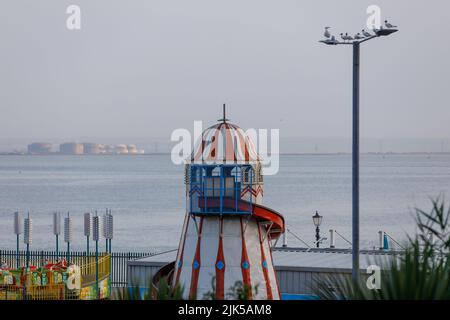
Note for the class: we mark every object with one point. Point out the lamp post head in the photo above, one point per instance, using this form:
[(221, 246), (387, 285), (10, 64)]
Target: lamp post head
[(385, 32), (360, 37), (317, 219)]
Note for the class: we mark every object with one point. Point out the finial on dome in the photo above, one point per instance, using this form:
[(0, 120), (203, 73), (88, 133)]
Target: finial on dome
[(224, 119)]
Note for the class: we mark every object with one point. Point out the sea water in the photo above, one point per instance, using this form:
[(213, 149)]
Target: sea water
[(147, 196)]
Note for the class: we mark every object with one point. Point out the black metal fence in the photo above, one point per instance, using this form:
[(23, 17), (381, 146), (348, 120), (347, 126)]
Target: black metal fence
[(38, 258)]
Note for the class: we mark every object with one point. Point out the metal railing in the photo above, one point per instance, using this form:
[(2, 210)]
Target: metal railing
[(48, 292), (118, 262)]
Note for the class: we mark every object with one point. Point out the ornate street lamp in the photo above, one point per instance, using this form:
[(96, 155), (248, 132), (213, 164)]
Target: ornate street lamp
[(317, 219)]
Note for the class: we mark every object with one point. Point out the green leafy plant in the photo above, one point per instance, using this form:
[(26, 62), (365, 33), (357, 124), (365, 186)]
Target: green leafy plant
[(127, 293), (238, 291), (421, 273), (241, 291), (164, 292)]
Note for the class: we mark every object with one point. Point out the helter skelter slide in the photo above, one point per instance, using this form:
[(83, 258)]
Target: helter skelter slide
[(227, 233)]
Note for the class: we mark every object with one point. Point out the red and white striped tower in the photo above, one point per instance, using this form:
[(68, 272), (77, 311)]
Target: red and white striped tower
[(227, 233)]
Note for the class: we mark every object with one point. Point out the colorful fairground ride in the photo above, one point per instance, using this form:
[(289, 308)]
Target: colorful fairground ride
[(227, 233), (76, 280), (80, 276)]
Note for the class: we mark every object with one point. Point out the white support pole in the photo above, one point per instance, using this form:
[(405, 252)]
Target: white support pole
[(381, 240), (284, 240), (332, 246)]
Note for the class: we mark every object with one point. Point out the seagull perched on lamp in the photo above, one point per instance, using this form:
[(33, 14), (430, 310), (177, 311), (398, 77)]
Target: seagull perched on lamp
[(388, 25), (327, 33), (333, 40), (358, 36), (366, 34), (346, 37)]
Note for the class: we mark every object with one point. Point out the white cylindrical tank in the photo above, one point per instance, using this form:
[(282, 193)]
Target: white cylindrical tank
[(332, 238), (121, 149), (381, 240), (132, 149)]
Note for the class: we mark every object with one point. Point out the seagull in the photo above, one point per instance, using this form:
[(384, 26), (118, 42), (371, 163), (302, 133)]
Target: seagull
[(327, 33), (332, 40), (366, 34), (388, 25), (358, 36), (346, 37)]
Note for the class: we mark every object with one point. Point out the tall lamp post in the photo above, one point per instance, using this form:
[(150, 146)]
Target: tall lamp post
[(355, 43), (317, 219)]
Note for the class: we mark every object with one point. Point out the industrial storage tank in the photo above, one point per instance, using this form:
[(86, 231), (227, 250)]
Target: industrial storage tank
[(121, 149), (132, 149), (93, 148), (39, 148), (109, 149), (71, 148)]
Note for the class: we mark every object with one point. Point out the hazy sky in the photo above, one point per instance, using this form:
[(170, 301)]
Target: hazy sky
[(144, 68)]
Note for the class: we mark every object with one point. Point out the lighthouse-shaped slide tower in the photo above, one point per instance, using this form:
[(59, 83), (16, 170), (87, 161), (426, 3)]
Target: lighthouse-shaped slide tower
[(227, 233)]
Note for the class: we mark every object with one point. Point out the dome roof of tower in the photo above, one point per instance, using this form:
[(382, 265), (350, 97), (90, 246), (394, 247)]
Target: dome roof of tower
[(224, 143)]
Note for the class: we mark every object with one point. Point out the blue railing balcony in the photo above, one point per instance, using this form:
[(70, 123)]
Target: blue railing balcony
[(216, 189)]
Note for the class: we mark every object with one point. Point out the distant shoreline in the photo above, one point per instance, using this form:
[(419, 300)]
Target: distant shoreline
[(283, 154)]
